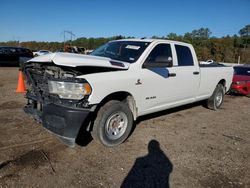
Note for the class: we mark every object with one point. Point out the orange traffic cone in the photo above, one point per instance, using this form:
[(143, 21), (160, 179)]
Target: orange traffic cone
[(20, 85)]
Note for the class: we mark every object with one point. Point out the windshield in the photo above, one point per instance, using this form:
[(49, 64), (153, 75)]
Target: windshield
[(244, 71), (128, 51)]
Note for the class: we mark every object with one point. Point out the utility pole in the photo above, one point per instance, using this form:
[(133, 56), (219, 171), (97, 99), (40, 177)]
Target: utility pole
[(245, 46), (71, 37), (16, 39)]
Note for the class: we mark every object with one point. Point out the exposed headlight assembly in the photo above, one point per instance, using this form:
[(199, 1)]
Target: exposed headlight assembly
[(69, 90)]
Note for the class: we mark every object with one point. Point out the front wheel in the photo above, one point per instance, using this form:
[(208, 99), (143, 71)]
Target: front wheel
[(113, 123), (216, 100)]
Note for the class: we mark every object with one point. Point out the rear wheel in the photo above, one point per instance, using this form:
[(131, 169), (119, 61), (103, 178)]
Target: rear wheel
[(113, 123), (216, 100)]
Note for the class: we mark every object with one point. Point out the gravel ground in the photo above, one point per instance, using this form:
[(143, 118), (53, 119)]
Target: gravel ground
[(189, 146)]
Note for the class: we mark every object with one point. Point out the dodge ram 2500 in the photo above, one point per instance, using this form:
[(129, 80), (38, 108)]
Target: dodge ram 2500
[(106, 91)]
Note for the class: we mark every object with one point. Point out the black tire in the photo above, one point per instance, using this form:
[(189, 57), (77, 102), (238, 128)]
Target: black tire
[(216, 100), (110, 117)]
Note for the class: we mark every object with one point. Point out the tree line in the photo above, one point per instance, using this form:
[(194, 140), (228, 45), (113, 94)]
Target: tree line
[(224, 49)]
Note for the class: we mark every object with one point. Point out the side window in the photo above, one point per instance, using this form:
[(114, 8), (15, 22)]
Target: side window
[(6, 50), (159, 52), (1, 50), (12, 50), (184, 55), (19, 50)]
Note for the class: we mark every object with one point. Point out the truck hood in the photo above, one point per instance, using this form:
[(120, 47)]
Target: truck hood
[(79, 60)]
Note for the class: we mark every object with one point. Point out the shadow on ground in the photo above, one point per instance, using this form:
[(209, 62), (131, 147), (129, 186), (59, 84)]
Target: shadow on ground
[(152, 170), (84, 138)]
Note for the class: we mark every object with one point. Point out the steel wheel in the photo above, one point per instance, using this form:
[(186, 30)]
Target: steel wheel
[(113, 123), (218, 99), (116, 125)]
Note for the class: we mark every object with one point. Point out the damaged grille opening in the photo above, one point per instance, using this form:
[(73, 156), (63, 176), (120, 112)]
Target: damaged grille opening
[(37, 76)]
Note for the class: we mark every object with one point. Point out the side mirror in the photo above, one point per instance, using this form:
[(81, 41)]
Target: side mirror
[(160, 62)]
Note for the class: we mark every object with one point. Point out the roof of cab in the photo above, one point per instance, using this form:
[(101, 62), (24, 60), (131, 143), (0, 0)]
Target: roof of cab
[(153, 40)]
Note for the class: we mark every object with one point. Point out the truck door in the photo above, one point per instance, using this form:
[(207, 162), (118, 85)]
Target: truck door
[(187, 73), (163, 88)]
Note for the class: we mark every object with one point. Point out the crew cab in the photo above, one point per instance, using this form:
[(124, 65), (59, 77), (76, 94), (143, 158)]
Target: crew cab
[(106, 91)]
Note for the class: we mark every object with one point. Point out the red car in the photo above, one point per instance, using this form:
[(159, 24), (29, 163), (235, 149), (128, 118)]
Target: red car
[(241, 80)]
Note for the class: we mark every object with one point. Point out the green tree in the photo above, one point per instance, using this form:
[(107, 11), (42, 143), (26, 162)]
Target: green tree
[(202, 33), (174, 36), (245, 36), (245, 31)]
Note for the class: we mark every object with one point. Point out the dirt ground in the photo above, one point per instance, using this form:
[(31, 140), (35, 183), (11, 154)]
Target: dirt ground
[(189, 146)]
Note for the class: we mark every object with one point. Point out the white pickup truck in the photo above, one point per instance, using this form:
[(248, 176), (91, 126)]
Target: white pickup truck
[(106, 91)]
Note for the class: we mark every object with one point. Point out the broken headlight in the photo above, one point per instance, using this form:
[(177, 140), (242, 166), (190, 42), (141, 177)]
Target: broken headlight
[(69, 90)]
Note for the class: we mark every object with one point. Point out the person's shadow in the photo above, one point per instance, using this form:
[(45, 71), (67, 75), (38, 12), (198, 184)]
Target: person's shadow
[(152, 170)]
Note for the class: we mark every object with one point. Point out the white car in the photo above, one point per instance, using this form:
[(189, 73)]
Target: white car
[(41, 52), (105, 92)]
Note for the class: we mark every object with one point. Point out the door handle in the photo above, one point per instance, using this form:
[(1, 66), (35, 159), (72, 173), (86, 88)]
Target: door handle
[(171, 74), (196, 73)]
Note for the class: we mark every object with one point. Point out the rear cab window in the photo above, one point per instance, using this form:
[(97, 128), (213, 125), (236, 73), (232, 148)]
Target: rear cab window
[(184, 55)]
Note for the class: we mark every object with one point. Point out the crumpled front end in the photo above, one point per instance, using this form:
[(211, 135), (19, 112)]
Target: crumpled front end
[(60, 115)]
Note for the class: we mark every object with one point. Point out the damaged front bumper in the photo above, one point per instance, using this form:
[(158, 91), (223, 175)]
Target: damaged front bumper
[(64, 122), (63, 117)]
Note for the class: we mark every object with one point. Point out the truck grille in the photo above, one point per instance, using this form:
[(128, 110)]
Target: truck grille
[(37, 83)]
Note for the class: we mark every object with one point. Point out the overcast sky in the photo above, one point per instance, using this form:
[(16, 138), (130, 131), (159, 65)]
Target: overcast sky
[(45, 20)]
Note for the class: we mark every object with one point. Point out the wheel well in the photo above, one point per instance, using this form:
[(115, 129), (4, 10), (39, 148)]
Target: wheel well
[(223, 82), (122, 96)]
